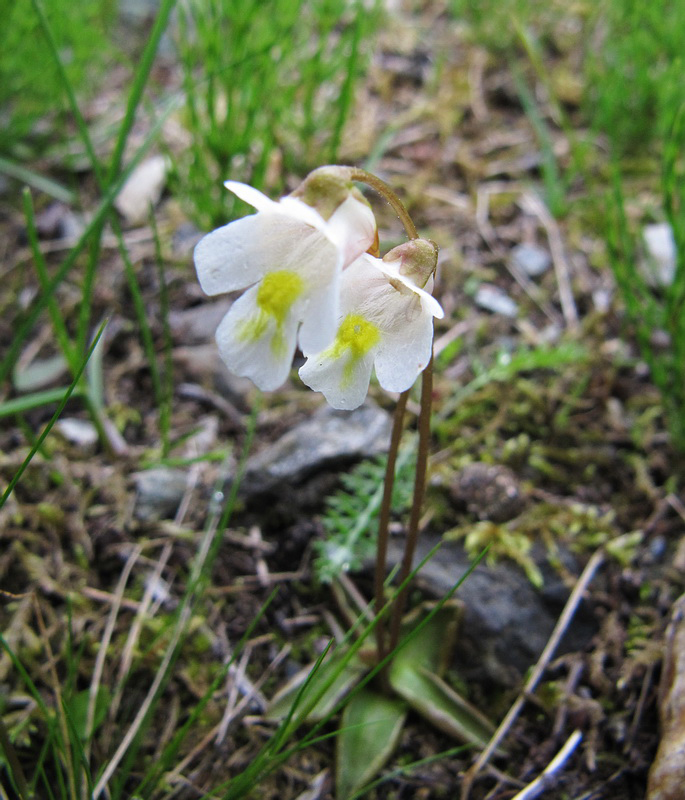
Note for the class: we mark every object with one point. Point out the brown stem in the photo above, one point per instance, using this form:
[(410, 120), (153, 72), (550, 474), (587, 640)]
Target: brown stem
[(362, 176), (384, 521), (417, 502)]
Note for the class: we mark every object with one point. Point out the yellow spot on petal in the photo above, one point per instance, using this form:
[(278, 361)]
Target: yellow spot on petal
[(355, 337), (276, 295), (277, 292)]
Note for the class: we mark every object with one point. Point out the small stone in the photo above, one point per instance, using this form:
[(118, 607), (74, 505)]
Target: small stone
[(79, 432), (49, 220), (491, 298), (659, 265), (325, 440), (531, 259), (490, 491), (159, 492), (143, 189)]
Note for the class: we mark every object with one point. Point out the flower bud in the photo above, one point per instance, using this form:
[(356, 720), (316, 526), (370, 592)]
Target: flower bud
[(418, 260), (326, 189)]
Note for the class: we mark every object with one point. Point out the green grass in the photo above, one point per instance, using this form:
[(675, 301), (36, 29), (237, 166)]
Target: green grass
[(30, 83), (656, 313), (263, 102), (634, 70)]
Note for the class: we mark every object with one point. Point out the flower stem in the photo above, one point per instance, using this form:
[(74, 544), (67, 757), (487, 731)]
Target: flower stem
[(362, 176), (417, 502), (384, 520)]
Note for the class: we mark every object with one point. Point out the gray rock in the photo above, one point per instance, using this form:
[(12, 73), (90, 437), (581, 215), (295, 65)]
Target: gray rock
[(184, 239), (58, 221), (159, 492), (507, 622), (492, 298), (328, 438), (531, 259)]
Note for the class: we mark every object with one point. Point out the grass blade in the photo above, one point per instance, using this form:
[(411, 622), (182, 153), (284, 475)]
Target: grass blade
[(55, 417)]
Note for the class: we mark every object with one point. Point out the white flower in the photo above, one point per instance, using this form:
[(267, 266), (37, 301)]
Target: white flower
[(386, 322), (290, 254)]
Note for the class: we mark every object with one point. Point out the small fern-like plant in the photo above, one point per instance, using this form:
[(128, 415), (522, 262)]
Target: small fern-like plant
[(352, 510)]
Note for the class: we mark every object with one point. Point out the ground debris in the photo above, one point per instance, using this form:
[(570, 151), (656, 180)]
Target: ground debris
[(667, 775)]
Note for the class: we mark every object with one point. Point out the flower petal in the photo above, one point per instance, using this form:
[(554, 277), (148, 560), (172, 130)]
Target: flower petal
[(352, 228), (287, 206), (251, 196), (344, 383), (255, 344), (427, 300), (405, 351), (239, 254), (320, 317)]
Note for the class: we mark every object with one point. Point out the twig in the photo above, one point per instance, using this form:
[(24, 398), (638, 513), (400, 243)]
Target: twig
[(559, 629), (489, 236), (561, 269), (180, 627), (134, 631), (102, 654), (546, 777), (476, 91)]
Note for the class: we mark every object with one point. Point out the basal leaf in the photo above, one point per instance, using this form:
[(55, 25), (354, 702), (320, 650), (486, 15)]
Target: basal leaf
[(370, 729)]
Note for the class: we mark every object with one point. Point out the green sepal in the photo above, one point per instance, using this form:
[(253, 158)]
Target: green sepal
[(369, 732)]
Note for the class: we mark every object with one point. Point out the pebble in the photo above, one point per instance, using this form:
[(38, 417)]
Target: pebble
[(143, 189), (531, 259), (660, 262), (159, 492), (79, 432), (507, 622), (492, 298)]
